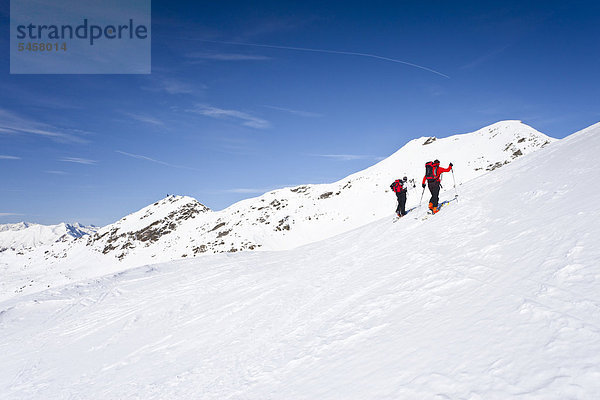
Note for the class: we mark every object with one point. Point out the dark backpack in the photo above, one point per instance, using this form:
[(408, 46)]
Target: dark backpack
[(397, 186), (430, 168)]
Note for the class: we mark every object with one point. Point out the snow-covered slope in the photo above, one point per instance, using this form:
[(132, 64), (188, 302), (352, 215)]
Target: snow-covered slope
[(26, 236), (180, 227), (495, 297)]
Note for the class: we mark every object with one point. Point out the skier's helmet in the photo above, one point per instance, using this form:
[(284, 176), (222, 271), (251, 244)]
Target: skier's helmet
[(405, 179), (436, 162)]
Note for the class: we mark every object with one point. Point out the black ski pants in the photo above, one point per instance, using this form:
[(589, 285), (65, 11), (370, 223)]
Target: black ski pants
[(401, 202), (434, 188)]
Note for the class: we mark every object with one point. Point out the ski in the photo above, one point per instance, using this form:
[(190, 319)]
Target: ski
[(440, 206)]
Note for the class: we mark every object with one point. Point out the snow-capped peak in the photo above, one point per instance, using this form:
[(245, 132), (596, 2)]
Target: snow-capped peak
[(147, 225), (170, 208), (483, 150)]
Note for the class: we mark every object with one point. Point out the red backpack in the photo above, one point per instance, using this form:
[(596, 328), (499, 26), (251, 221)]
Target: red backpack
[(397, 186)]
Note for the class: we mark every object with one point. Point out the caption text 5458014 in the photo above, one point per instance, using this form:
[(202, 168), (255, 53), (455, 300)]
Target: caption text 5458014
[(41, 47)]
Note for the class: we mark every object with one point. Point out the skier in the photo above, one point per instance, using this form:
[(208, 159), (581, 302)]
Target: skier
[(433, 172), (400, 187)]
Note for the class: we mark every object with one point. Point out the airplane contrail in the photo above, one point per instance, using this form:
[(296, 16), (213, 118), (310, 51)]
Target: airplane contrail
[(348, 53)]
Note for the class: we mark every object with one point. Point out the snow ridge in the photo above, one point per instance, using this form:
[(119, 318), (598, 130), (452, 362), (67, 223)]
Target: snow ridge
[(290, 217), (179, 227)]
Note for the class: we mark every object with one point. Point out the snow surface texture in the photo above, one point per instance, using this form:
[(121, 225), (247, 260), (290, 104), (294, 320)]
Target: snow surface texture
[(180, 227), (495, 297)]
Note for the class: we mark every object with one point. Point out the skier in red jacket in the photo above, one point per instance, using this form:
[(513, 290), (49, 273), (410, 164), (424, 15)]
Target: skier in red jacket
[(433, 172), (400, 187)]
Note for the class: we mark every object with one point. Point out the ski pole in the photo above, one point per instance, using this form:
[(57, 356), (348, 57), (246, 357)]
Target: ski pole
[(455, 191), (420, 201)]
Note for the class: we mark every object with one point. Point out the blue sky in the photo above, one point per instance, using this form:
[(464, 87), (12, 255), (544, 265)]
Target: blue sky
[(222, 122)]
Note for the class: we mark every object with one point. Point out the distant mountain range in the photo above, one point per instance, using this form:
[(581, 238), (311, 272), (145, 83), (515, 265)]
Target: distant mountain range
[(27, 236)]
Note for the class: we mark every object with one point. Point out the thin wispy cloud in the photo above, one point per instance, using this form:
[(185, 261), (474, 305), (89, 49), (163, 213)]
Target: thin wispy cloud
[(5, 157), (326, 51), (243, 118), (11, 123), (8, 214), (145, 119), (153, 160), (227, 57), (171, 86), (348, 157), (300, 113), (78, 160), (56, 172), (488, 56)]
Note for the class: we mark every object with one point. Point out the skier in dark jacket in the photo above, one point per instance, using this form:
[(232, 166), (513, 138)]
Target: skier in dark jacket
[(433, 172), (400, 187)]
